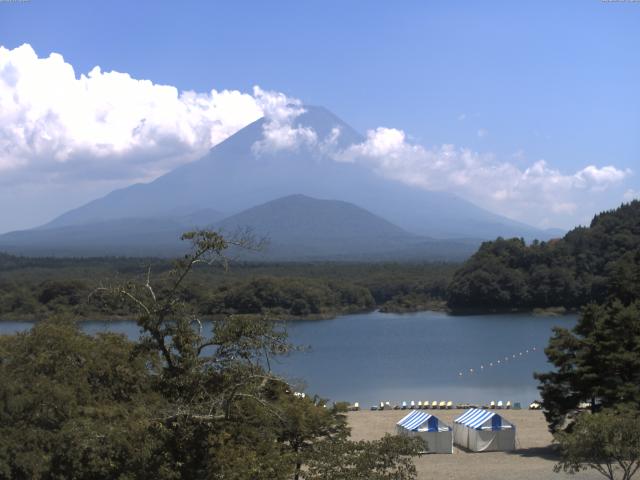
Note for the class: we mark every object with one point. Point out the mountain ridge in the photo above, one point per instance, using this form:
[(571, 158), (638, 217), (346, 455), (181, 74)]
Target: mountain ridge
[(298, 228)]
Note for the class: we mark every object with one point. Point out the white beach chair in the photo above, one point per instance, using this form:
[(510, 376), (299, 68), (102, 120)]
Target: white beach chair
[(387, 405), (356, 406), (413, 405), (443, 405), (419, 404), (499, 404), (381, 405), (425, 404), (449, 405), (508, 405), (492, 404), (434, 404), (404, 405)]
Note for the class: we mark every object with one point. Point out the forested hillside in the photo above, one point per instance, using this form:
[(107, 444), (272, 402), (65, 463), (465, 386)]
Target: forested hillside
[(587, 265)]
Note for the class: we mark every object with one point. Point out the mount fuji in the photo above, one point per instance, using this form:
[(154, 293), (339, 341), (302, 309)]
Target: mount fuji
[(235, 177)]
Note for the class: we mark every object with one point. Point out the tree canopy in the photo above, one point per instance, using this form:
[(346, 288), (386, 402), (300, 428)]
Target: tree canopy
[(588, 265), (597, 362), (35, 288), (607, 442)]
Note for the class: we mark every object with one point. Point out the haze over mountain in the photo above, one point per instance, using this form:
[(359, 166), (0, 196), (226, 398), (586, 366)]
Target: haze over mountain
[(304, 228), (241, 173), (296, 227), (125, 236)]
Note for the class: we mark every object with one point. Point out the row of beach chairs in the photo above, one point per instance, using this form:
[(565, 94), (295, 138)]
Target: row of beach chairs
[(499, 405), (412, 405), (442, 405)]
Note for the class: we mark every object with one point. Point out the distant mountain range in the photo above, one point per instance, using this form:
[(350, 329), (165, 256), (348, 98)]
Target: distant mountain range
[(361, 214), (296, 227)]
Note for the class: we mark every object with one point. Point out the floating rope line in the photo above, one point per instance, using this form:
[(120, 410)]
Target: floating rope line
[(501, 361)]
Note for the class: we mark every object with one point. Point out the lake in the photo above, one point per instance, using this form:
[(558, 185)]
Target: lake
[(375, 357)]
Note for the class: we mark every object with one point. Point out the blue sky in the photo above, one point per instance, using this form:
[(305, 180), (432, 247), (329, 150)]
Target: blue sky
[(518, 81)]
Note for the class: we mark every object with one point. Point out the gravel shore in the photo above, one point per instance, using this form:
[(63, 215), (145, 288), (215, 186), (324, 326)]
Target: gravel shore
[(533, 460)]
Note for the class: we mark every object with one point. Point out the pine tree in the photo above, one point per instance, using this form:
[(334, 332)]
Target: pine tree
[(598, 361)]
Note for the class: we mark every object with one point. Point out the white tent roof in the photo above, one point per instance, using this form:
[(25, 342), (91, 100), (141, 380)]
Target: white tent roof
[(422, 421), (478, 419)]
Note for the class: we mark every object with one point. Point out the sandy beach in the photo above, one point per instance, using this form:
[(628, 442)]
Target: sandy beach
[(533, 460)]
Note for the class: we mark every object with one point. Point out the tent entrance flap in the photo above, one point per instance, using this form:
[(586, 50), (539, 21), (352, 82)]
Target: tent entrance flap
[(496, 422)]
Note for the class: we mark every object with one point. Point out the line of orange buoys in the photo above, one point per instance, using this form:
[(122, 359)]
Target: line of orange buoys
[(497, 363)]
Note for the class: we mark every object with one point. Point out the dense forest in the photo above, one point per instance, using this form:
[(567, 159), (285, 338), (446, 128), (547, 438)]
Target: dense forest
[(588, 264), (35, 288)]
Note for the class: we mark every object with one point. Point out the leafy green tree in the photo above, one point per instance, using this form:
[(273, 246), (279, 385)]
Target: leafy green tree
[(597, 362), (624, 277), (77, 406), (229, 416), (290, 296), (69, 292), (305, 422), (607, 442), (209, 379), (592, 264), (385, 459)]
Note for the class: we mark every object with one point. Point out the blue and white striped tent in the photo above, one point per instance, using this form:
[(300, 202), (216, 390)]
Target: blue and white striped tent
[(438, 436), (483, 431)]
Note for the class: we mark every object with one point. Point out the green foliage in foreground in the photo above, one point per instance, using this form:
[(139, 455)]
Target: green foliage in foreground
[(596, 362), (75, 406), (177, 404), (587, 265), (608, 442), (364, 460)]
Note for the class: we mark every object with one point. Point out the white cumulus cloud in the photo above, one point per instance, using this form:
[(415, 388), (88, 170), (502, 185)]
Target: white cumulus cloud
[(88, 133), (54, 123), (499, 185), (595, 177), (279, 131)]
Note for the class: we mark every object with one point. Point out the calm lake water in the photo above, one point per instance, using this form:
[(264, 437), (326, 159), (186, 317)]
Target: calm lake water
[(377, 356)]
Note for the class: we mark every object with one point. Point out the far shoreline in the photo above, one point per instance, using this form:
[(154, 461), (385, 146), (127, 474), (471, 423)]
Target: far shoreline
[(542, 312)]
